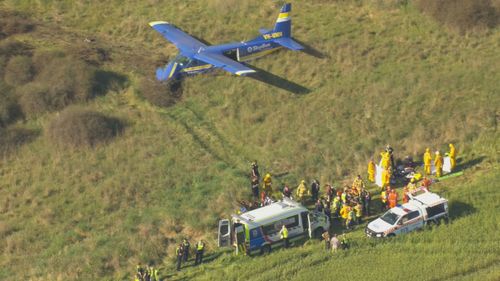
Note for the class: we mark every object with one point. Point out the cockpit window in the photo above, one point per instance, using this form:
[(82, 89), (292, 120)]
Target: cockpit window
[(182, 60), (390, 218)]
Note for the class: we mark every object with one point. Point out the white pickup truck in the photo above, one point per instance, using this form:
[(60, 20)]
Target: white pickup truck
[(424, 207)]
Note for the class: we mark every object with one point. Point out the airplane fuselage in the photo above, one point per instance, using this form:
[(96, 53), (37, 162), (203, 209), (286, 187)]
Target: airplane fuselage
[(241, 52)]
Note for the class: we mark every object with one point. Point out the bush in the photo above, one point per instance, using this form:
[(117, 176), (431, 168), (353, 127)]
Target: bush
[(160, 93), (36, 99), (462, 15), (68, 78), (42, 58), (62, 81), (12, 23), (76, 127), (18, 71), (11, 138), (10, 48), (9, 109)]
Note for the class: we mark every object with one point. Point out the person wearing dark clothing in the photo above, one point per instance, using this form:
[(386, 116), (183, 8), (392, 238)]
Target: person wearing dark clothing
[(367, 198), (328, 212), (315, 190), (255, 170), (200, 247), (389, 149), (185, 246), (287, 192), (179, 252), (255, 187), (318, 207)]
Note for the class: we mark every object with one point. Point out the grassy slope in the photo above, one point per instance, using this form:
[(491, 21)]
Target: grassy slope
[(465, 249), (390, 76)]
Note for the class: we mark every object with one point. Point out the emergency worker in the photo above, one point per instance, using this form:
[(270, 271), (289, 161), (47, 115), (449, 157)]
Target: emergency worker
[(438, 163), (383, 199), (284, 235), (200, 248), (179, 252), (337, 204), (453, 155), (358, 209), (393, 198), (371, 171), (406, 191), (411, 185), (266, 184), (302, 191), (385, 160), (427, 161), (186, 245)]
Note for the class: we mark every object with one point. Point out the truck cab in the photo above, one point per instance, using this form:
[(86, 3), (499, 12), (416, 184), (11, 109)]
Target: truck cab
[(423, 208), (258, 231)]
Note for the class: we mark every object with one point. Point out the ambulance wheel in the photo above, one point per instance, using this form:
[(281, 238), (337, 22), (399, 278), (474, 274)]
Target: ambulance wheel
[(265, 250)]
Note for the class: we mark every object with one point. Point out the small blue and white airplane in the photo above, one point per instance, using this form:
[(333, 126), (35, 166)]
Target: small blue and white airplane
[(196, 57)]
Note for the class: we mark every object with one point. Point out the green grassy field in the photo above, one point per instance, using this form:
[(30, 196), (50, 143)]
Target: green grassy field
[(389, 75)]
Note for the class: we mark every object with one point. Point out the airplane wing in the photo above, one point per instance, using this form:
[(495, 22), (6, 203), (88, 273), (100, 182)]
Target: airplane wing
[(219, 60), (179, 38)]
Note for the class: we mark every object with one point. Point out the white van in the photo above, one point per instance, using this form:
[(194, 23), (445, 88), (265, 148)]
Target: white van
[(257, 231)]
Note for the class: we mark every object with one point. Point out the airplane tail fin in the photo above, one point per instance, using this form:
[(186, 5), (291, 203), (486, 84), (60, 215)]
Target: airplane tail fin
[(284, 22)]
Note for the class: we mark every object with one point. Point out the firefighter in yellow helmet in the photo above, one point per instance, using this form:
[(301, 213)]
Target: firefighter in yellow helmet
[(302, 190), (453, 155), (371, 171), (266, 184), (438, 163), (427, 161)]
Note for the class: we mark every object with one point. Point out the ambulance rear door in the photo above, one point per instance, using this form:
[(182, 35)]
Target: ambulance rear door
[(224, 233)]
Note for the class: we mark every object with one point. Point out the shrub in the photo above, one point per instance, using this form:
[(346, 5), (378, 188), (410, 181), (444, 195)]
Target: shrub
[(69, 79), (12, 23), (9, 48), (62, 81), (160, 93), (36, 99), (462, 15), (42, 58), (9, 109), (12, 137), (76, 127), (18, 71)]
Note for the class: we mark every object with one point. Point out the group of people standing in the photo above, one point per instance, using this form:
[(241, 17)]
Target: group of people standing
[(182, 253), (349, 204), (147, 273), (334, 243)]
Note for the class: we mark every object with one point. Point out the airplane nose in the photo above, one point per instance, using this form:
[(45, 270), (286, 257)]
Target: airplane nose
[(166, 72)]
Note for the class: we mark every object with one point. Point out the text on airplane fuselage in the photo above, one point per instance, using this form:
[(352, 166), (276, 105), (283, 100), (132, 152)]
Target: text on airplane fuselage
[(258, 48)]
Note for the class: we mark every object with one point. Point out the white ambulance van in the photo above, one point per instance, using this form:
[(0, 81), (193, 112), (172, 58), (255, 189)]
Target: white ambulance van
[(258, 231)]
